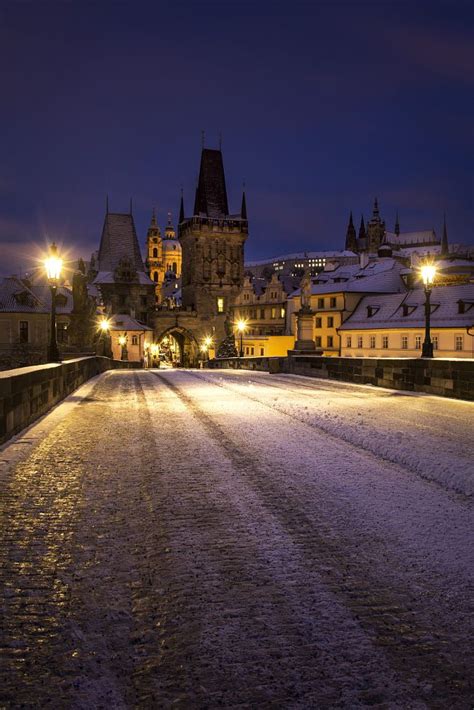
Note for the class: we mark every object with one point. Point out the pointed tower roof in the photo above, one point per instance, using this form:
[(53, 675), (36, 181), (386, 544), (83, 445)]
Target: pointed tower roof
[(153, 222), (351, 237), (362, 233), (376, 212), (119, 241), (397, 225), (243, 209), (444, 240), (211, 193)]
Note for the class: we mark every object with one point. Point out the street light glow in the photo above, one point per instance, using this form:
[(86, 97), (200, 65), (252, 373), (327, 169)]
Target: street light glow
[(104, 325), (428, 274), (241, 325), (53, 264), (122, 340)]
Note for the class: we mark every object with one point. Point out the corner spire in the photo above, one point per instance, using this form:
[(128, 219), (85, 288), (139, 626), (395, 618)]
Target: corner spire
[(351, 238), (362, 233), (444, 241), (181, 208), (397, 225), (243, 209)]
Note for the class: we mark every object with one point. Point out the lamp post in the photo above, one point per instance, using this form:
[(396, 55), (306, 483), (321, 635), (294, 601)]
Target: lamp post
[(241, 327), (104, 330), (123, 344), (428, 273), (204, 348), (53, 265)]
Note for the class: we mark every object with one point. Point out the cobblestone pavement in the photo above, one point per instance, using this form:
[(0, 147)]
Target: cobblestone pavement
[(178, 539)]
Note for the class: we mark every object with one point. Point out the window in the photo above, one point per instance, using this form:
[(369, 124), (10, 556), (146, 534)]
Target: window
[(459, 342), (330, 322), (24, 331), (434, 340), (372, 341), (348, 342), (247, 350), (282, 312), (360, 341), (155, 252), (252, 351), (404, 342), (262, 351), (317, 340), (318, 322), (330, 341), (320, 302), (385, 342), (417, 342), (274, 312), (61, 332), (332, 302), (134, 339), (220, 305), (155, 276)]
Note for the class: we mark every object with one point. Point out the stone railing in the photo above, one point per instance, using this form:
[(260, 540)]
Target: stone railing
[(27, 393), (443, 377)]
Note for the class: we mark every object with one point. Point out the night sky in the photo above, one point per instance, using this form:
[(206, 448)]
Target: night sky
[(321, 106)]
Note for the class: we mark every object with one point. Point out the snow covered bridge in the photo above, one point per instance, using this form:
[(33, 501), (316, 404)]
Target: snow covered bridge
[(221, 539)]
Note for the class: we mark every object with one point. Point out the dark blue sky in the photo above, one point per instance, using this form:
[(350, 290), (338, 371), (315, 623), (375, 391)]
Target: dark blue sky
[(321, 106)]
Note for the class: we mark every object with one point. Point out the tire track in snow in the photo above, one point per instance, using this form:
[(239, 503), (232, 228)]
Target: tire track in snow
[(386, 613)]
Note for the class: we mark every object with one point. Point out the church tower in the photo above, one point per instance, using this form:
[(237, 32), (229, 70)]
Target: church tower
[(154, 260), (212, 243), (375, 230), (172, 257), (351, 238)]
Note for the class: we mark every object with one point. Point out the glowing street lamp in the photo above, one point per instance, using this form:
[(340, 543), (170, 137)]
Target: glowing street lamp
[(428, 274), (103, 327), (123, 344), (241, 327), (53, 265)]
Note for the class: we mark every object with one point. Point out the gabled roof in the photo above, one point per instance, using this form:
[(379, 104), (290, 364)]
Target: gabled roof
[(211, 193), (15, 297), (380, 276), (389, 311), (119, 241), (122, 321)]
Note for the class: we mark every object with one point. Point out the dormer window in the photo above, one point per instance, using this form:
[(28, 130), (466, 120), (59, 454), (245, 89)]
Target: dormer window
[(372, 310), (407, 309)]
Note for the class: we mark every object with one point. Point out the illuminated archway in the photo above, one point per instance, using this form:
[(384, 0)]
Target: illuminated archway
[(178, 347)]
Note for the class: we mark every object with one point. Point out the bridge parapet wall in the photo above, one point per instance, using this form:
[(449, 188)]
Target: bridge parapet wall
[(444, 377), (29, 392)]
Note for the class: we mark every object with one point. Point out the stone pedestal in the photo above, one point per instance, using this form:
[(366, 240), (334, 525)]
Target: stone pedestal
[(304, 330)]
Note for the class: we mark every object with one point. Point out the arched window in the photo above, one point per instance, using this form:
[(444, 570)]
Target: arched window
[(155, 276), (155, 253)]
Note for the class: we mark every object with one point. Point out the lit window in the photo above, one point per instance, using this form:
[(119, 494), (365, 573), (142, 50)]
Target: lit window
[(220, 305), (274, 312), (459, 343), (282, 312), (372, 341), (385, 342), (404, 342)]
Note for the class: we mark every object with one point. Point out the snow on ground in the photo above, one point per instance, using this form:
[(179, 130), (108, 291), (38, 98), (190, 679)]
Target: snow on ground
[(190, 539), (429, 435)]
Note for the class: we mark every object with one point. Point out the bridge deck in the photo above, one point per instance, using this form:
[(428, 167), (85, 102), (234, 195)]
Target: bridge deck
[(222, 539)]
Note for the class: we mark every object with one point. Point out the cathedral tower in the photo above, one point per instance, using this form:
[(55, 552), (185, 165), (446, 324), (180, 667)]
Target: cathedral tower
[(154, 260), (375, 230), (351, 238), (212, 241)]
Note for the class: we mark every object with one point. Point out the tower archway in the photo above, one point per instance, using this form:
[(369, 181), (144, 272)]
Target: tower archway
[(178, 347)]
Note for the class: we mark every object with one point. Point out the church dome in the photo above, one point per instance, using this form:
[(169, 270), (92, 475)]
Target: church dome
[(171, 245)]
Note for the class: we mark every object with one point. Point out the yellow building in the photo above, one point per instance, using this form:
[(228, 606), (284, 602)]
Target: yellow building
[(172, 255), (130, 339), (336, 294), (266, 345), (393, 325)]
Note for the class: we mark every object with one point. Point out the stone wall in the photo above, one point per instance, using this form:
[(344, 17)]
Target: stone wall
[(29, 392), (443, 377)]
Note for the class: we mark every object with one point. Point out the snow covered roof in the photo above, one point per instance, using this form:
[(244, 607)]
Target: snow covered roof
[(119, 241), (427, 236), (64, 299), (122, 321), (407, 310), (15, 297), (379, 276)]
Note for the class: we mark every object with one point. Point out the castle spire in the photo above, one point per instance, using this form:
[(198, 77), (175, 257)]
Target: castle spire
[(397, 225), (351, 238), (181, 208), (376, 213), (362, 233), (444, 241), (243, 209)]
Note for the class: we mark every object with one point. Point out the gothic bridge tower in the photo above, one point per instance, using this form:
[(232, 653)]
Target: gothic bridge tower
[(212, 243)]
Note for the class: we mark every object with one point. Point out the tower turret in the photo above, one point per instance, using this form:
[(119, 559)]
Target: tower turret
[(351, 237), (154, 260)]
